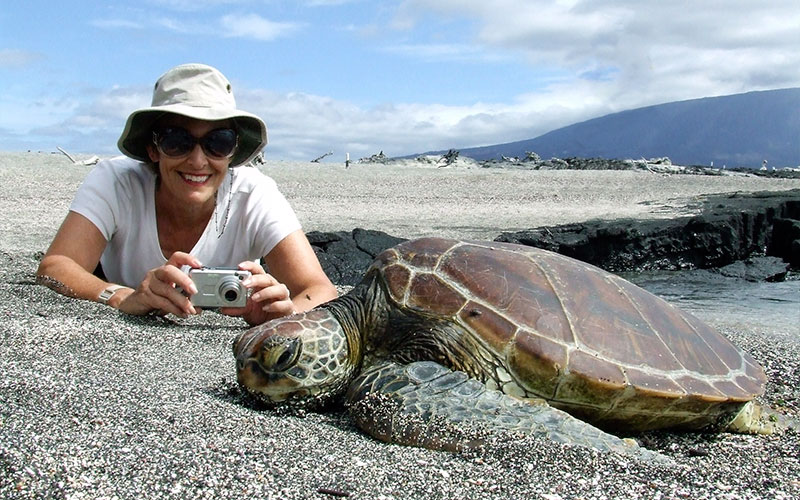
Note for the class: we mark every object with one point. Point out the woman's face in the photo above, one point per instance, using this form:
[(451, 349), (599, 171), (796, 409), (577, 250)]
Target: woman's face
[(194, 178)]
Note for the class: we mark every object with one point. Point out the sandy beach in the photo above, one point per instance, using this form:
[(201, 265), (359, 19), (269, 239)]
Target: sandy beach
[(95, 404)]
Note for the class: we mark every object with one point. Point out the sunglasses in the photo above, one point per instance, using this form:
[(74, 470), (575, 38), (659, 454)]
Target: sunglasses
[(176, 142)]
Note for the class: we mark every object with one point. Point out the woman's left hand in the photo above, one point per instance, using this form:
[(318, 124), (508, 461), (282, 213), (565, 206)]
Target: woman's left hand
[(269, 298)]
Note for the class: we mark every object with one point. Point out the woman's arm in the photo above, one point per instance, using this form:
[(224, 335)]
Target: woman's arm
[(295, 283), (294, 263), (68, 267), (72, 257)]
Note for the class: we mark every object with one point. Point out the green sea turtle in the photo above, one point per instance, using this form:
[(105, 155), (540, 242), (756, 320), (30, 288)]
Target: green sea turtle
[(442, 336)]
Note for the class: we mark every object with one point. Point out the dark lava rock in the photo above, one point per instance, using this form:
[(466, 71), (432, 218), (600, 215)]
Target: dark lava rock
[(730, 228), (733, 233), (786, 239), (345, 256), (756, 269)]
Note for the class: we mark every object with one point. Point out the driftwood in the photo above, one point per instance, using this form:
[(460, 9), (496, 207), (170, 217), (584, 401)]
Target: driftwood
[(258, 159), (66, 154), (316, 160), (532, 156), (378, 158), (449, 158), (89, 161)]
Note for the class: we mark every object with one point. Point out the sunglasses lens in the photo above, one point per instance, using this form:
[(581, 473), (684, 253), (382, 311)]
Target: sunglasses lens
[(219, 143), (178, 142), (175, 142)]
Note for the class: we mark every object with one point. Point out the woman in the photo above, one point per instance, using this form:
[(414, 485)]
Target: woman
[(179, 200)]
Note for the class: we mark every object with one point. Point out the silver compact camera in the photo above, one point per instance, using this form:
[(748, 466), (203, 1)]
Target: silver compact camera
[(219, 287)]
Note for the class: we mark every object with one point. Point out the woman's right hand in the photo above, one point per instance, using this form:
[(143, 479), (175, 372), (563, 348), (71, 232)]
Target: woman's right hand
[(160, 290)]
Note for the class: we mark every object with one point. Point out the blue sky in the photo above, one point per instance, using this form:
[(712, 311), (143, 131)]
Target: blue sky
[(361, 76)]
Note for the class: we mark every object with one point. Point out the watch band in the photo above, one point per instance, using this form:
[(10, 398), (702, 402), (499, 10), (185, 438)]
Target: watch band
[(109, 292)]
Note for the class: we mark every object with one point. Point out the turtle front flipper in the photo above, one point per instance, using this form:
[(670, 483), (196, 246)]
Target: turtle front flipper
[(428, 405)]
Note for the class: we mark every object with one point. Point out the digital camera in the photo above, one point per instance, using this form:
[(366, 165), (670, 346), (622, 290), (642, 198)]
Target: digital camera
[(218, 287)]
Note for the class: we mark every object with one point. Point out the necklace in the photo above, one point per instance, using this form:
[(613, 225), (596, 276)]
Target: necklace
[(221, 228)]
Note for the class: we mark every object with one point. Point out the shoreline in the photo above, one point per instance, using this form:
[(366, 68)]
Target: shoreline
[(97, 404), (405, 200)]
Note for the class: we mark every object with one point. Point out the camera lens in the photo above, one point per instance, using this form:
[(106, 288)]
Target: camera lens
[(230, 289)]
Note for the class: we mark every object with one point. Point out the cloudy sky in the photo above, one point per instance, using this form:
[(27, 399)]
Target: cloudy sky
[(361, 76)]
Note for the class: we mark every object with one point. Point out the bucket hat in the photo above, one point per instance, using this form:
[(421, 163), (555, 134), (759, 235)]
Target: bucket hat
[(197, 91)]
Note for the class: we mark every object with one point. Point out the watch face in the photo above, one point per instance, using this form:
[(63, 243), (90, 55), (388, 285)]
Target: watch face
[(109, 292)]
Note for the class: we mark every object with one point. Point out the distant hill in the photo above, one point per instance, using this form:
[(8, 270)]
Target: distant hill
[(738, 130)]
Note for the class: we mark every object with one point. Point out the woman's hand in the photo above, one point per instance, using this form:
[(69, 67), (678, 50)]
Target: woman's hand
[(160, 289), (269, 298), (296, 283)]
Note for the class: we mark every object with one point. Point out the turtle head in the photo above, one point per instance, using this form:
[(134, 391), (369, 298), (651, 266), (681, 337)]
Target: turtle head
[(303, 360)]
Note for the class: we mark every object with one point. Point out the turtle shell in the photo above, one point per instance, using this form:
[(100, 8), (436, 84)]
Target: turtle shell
[(583, 339)]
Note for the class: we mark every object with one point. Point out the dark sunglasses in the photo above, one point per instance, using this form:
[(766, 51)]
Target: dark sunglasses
[(176, 142)]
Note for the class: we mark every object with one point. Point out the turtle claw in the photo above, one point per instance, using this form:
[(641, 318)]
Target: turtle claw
[(428, 405)]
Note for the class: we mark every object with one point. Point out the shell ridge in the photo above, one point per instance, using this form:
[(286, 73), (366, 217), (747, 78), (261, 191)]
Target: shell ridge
[(571, 347), (673, 375), (732, 372), (615, 281), (670, 374), (550, 282), (414, 270), (510, 378), (442, 256)]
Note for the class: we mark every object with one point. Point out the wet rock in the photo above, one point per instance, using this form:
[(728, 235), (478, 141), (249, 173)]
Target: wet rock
[(728, 229), (757, 269)]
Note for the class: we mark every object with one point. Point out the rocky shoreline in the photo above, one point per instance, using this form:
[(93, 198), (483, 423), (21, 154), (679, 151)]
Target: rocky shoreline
[(533, 161), (756, 235)]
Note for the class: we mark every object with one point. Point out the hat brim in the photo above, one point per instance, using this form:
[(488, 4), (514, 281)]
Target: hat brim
[(138, 130)]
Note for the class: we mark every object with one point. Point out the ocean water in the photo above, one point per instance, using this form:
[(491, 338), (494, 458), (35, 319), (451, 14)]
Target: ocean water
[(713, 297)]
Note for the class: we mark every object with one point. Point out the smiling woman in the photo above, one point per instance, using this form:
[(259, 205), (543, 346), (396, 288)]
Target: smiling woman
[(182, 198)]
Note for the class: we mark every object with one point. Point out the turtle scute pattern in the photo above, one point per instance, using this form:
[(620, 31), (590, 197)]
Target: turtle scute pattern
[(583, 339), (314, 366)]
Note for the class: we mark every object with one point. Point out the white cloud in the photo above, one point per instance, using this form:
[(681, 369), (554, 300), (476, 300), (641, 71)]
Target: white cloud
[(188, 27), (112, 24), (230, 25), (256, 27), (303, 126), (598, 57), (652, 49)]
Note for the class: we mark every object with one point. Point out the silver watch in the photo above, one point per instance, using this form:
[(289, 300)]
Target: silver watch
[(109, 292)]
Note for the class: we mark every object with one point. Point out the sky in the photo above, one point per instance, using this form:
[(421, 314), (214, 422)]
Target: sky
[(398, 76)]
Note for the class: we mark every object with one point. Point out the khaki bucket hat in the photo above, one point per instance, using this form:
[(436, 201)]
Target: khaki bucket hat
[(197, 91)]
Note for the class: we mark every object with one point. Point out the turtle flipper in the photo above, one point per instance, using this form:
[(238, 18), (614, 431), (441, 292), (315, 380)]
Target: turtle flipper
[(428, 405)]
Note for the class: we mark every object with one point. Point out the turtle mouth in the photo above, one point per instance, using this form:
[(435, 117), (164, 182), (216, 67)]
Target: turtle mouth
[(294, 403), (271, 388), (266, 384)]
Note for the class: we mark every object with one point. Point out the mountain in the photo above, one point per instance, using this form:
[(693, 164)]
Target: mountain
[(738, 130)]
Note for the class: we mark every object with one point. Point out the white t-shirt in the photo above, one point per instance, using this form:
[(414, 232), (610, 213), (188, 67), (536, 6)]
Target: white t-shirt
[(118, 197)]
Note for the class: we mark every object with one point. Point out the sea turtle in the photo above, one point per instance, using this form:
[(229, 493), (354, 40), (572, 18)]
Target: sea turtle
[(441, 334)]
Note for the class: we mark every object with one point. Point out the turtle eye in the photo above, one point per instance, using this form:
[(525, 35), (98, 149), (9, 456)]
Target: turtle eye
[(281, 355)]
